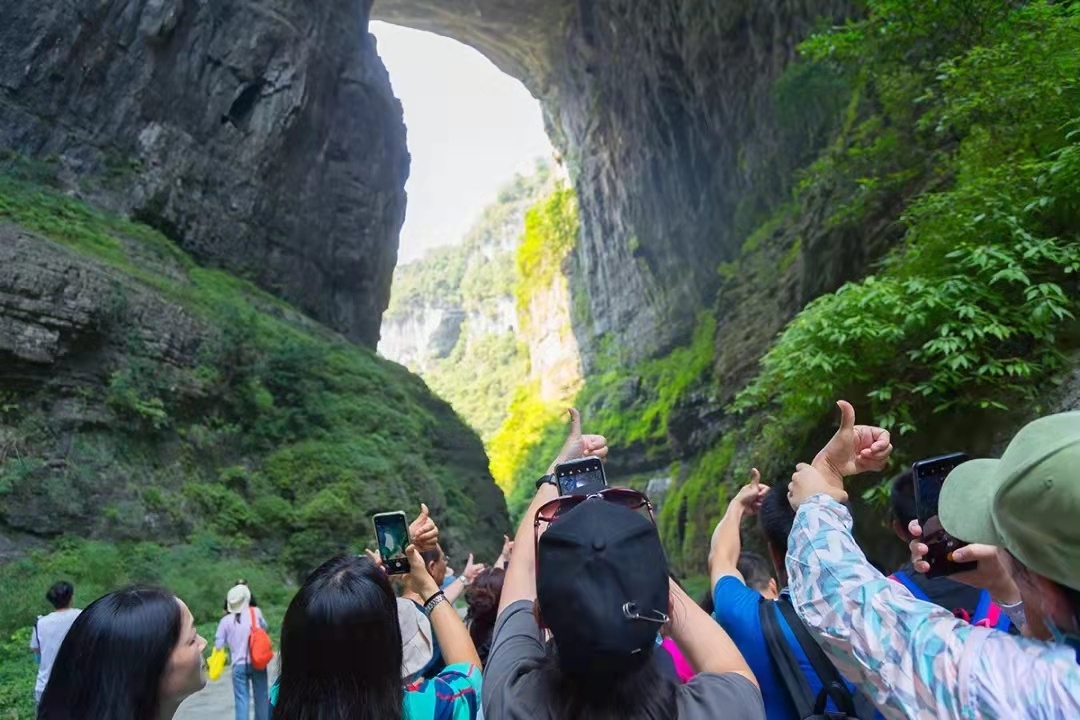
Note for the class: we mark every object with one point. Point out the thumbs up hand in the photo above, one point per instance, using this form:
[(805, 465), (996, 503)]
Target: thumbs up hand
[(423, 533), (853, 449), (578, 445)]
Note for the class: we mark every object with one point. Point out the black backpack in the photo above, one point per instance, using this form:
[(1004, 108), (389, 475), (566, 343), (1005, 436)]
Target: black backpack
[(852, 706)]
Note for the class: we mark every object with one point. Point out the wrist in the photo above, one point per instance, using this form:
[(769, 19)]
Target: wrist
[(427, 589), (1005, 593)]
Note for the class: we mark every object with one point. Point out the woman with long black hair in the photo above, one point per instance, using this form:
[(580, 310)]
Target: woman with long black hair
[(341, 649), (133, 654)]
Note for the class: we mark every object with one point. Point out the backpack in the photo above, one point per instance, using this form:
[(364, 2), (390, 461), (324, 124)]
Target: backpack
[(852, 706), (987, 612), (260, 649)]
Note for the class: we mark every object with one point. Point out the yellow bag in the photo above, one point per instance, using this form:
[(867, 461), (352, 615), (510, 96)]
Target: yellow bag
[(216, 664)]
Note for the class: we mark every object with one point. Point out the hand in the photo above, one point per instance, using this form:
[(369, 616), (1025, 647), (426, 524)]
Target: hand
[(991, 573), (578, 445), (752, 494), (422, 581), (807, 482), (472, 569), (854, 448), (375, 558), (507, 548), (423, 533)]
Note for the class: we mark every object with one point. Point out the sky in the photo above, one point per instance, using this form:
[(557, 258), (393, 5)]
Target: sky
[(470, 128)]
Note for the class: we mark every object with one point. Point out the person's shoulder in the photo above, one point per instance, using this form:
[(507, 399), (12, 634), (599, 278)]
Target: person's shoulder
[(733, 600), (705, 692)]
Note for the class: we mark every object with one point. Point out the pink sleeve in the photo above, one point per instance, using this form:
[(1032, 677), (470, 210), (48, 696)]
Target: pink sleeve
[(682, 668)]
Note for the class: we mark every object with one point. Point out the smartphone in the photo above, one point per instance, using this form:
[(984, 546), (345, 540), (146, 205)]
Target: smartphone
[(928, 476), (392, 534), (580, 477)]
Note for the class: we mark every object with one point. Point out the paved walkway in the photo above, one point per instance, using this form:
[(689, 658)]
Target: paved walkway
[(215, 701)]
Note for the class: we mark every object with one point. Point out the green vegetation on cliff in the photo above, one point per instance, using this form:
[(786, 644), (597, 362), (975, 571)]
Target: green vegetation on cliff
[(227, 436), (963, 138)]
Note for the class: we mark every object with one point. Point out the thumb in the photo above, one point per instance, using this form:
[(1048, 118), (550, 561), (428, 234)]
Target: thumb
[(416, 562), (469, 561), (575, 424), (424, 512), (755, 478), (847, 415)]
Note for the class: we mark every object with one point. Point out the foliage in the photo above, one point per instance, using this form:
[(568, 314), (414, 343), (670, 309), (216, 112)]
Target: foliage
[(692, 508), (527, 422), (295, 413), (551, 231), (965, 315)]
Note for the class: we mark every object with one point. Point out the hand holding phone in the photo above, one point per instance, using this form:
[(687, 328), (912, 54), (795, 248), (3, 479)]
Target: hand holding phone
[(927, 478), (580, 477), (392, 534)]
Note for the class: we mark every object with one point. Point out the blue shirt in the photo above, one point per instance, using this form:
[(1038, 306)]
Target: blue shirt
[(736, 609)]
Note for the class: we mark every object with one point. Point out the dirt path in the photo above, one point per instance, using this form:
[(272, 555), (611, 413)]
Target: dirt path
[(215, 701)]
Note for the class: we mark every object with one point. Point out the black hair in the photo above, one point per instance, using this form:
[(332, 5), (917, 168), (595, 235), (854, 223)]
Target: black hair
[(341, 646), (60, 594), (112, 661), (902, 497), (776, 518), (640, 693), (756, 570), (432, 556), (483, 596)]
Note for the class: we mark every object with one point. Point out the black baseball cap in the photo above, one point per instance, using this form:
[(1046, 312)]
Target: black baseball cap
[(601, 569)]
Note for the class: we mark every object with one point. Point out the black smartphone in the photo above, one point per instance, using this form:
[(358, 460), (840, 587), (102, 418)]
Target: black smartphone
[(928, 476), (392, 534), (580, 477)]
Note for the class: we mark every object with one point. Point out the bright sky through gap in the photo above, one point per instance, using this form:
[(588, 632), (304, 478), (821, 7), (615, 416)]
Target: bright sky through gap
[(471, 127)]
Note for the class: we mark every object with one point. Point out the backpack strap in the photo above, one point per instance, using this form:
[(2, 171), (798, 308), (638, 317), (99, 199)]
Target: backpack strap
[(784, 661), (904, 579), (831, 681), (988, 614)]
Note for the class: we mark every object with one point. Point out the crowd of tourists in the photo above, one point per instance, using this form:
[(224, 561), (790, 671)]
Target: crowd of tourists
[(580, 616)]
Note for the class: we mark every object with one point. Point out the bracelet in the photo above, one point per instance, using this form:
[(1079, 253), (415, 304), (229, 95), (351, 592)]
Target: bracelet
[(433, 602), (1015, 613)]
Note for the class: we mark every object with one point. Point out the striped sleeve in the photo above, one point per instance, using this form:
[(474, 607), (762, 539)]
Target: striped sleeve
[(911, 657)]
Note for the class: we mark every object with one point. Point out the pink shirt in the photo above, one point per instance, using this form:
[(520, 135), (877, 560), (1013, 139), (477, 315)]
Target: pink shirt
[(236, 634), (682, 668)]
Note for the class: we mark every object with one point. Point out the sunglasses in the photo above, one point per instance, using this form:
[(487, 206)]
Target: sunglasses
[(550, 511)]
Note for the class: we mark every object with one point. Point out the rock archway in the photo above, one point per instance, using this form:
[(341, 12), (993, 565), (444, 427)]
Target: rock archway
[(664, 112)]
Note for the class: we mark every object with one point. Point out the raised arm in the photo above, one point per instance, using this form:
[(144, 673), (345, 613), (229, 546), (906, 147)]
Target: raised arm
[(450, 631), (702, 640), (520, 580), (726, 544)]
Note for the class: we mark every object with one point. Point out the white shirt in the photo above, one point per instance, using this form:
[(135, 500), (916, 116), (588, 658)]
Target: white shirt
[(49, 633)]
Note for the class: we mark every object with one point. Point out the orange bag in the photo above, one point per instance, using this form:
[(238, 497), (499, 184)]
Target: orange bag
[(260, 649)]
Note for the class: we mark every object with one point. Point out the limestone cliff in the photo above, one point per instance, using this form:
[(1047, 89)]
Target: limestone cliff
[(666, 115), (143, 397), (262, 137)]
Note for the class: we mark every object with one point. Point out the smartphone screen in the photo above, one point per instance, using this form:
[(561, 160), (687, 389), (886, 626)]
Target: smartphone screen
[(580, 477), (929, 476), (392, 534)]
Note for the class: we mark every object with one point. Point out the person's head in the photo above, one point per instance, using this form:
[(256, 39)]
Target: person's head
[(603, 592), (435, 561), (238, 600), (902, 511), (482, 597), (757, 573), (133, 653), (61, 595), (1028, 503), (776, 518), (341, 653)]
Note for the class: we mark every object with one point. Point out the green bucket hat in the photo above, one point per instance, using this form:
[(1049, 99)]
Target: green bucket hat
[(1027, 502)]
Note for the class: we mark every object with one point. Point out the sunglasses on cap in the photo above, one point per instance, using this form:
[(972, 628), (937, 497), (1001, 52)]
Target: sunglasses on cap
[(623, 497)]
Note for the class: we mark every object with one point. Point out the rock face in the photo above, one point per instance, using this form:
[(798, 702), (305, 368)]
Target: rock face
[(665, 113), (117, 418), (262, 137)]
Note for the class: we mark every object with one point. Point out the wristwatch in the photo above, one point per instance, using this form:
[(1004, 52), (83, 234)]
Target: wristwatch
[(546, 480)]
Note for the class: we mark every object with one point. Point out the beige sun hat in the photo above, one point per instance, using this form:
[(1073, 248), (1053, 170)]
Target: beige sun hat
[(238, 599)]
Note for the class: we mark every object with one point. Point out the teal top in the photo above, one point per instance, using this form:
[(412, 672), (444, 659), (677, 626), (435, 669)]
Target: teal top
[(453, 694)]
